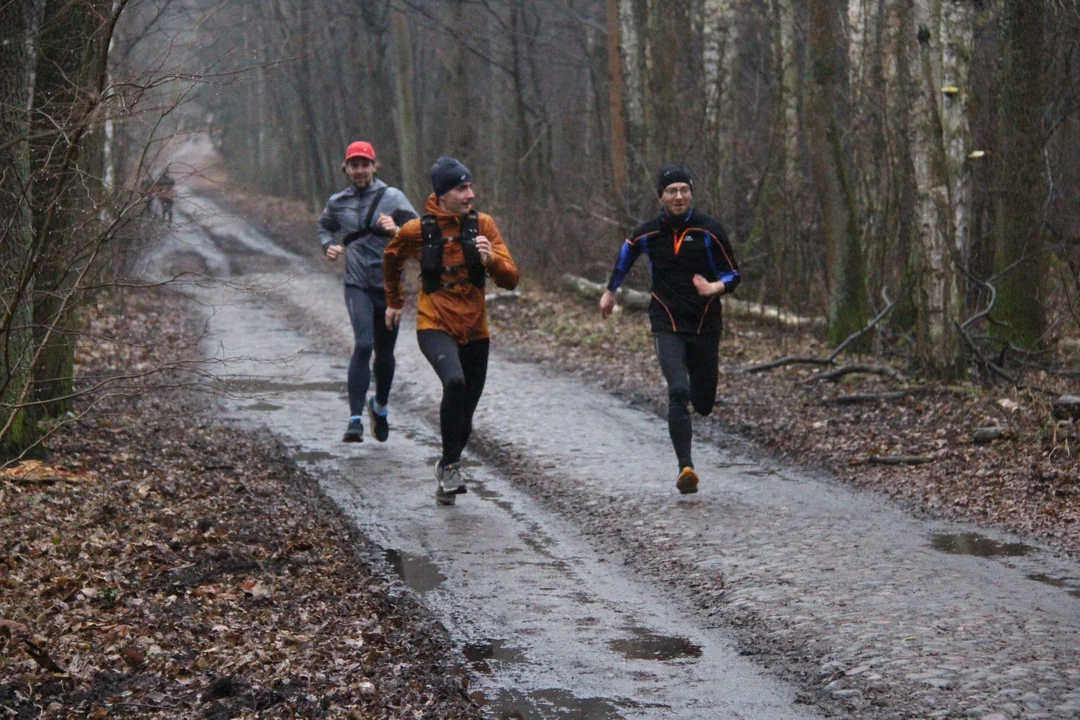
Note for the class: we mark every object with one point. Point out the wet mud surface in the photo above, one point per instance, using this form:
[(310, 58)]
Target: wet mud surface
[(588, 587)]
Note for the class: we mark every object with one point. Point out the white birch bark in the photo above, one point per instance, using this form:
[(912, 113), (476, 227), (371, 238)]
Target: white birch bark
[(788, 58), (633, 74), (937, 289), (720, 36), (957, 45)]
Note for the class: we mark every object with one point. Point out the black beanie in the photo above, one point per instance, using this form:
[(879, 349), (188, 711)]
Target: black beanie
[(447, 173), (673, 174)]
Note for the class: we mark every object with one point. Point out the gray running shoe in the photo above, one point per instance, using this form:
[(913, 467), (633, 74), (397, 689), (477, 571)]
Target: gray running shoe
[(449, 483), (355, 431)]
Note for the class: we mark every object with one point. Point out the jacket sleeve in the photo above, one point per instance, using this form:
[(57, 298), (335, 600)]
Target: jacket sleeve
[(628, 253), (406, 244), (727, 270), (328, 227), (502, 268), (403, 210)]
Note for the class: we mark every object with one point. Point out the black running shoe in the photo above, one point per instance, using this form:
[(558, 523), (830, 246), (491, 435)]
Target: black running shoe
[(355, 431), (380, 428)]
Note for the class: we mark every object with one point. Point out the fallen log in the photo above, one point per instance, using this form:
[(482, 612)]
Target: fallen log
[(857, 368), (899, 459), (873, 397), (733, 307)]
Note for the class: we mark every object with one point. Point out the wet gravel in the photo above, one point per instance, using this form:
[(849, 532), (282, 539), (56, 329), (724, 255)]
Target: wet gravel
[(873, 613)]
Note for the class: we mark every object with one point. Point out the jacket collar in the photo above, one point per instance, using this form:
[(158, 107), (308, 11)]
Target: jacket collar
[(373, 187), (676, 221), (432, 208)]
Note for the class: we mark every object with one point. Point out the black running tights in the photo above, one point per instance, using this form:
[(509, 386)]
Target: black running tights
[(367, 313), (462, 370), (690, 366)]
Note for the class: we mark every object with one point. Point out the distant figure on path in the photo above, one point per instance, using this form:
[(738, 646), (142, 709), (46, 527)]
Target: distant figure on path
[(458, 249), (358, 222), (692, 266)]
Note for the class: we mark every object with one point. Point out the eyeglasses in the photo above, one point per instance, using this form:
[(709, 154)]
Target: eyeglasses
[(687, 191)]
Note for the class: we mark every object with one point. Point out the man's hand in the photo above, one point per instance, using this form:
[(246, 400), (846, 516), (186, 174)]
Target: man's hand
[(484, 246), (607, 303), (393, 317), (386, 223), (334, 251), (706, 288)]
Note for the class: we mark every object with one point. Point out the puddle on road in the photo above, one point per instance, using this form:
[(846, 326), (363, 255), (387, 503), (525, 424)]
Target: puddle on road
[(479, 653), (256, 386), (553, 703), (261, 405), (418, 573), (313, 456), (977, 545), (650, 646), (1072, 587)]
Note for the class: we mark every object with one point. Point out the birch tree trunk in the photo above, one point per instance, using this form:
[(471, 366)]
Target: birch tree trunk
[(616, 107), (720, 49), (16, 68), (405, 111), (938, 301), (831, 171), (630, 20), (773, 227), (957, 46), (1021, 187)]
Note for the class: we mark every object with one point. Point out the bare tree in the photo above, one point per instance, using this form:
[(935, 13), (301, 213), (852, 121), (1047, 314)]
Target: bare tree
[(831, 171)]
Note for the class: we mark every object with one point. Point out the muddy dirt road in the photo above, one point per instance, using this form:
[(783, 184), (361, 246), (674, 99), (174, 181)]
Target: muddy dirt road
[(580, 584)]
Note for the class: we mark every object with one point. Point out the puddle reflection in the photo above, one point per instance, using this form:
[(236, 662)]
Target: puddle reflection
[(977, 545), (649, 646), (553, 703), (419, 573), (1073, 587), (478, 653)]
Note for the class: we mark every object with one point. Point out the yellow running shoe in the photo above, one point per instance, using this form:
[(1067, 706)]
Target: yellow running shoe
[(687, 482)]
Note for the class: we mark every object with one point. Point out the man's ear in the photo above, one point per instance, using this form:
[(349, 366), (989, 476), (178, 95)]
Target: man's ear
[(343, 170)]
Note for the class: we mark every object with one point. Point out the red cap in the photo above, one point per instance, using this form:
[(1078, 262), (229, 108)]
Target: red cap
[(360, 149)]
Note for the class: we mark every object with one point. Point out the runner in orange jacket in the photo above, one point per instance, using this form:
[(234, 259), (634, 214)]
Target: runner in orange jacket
[(458, 250)]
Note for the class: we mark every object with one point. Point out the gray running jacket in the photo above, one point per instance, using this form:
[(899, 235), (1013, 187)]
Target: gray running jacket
[(345, 212)]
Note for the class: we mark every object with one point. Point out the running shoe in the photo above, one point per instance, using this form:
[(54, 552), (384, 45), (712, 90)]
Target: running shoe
[(687, 482), (380, 428), (355, 431), (449, 483)]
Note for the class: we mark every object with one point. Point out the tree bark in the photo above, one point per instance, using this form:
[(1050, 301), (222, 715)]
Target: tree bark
[(16, 69), (405, 110), (64, 80), (615, 101), (831, 171), (938, 301), (1022, 188)]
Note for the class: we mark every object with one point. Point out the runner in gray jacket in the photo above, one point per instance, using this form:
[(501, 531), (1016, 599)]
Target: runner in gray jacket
[(350, 225)]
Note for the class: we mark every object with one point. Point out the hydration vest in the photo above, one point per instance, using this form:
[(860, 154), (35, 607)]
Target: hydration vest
[(431, 258)]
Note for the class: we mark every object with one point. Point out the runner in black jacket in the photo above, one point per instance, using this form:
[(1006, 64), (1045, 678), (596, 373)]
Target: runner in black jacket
[(692, 265)]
